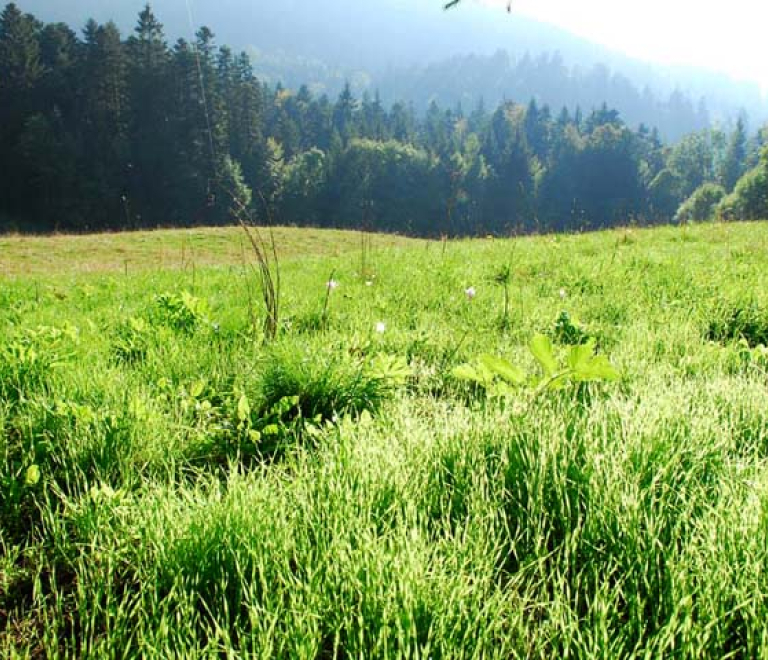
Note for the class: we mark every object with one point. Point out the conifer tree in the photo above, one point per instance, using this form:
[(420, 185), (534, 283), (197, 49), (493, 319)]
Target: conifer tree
[(735, 158), (20, 71), (152, 161)]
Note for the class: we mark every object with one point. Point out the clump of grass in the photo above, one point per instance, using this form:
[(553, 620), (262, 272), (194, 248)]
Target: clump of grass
[(326, 383), (746, 320), (61, 445), (29, 359), (503, 277)]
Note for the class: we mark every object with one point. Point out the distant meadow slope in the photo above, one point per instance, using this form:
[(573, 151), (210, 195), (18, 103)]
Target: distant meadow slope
[(169, 249), (541, 447)]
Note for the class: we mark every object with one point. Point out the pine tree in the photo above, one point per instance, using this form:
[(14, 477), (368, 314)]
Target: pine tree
[(60, 57), (247, 144), (20, 66), (216, 129), (20, 70), (735, 158), (148, 69), (47, 142), (344, 114), (319, 128), (104, 124), (192, 184)]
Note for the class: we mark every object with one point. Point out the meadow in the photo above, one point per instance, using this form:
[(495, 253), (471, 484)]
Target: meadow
[(537, 447)]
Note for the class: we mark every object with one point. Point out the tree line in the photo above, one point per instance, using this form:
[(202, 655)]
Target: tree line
[(547, 77), (104, 132)]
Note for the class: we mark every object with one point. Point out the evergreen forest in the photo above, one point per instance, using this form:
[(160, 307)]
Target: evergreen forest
[(101, 130)]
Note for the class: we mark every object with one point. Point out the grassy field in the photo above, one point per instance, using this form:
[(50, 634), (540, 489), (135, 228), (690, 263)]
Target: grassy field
[(165, 249), (405, 472)]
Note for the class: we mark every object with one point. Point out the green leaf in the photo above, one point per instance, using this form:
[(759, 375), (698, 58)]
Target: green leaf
[(504, 369), (553, 382), (313, 431), (560, 381), (598, 368), (284, 405), (32, 476), (541, 347), (243, 408), (580, 355)]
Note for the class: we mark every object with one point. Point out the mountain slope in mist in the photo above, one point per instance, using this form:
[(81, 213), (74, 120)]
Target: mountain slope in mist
[(397, 45)]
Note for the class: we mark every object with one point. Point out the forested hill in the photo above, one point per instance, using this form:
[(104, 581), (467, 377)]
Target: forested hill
[(110, 130), (413, 51)]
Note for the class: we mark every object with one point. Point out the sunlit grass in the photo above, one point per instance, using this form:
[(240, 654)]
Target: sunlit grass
[(403, 516)]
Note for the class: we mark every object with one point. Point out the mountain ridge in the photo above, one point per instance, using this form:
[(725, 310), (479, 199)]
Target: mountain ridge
[(368, 45)]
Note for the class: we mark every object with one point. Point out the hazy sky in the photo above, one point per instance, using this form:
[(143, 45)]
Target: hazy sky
[(724, 35)]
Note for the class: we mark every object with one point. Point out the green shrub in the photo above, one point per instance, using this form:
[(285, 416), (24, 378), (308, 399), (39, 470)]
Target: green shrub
[(499, 378), (568, 330), (702, 203), (749, 200)]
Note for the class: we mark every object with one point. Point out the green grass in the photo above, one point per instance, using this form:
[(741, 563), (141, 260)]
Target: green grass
[(170, 486)]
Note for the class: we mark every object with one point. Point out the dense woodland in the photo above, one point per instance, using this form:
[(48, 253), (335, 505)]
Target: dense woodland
[(100, 131)]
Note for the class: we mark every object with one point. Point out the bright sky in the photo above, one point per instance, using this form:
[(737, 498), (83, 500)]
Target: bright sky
[(723, 35)]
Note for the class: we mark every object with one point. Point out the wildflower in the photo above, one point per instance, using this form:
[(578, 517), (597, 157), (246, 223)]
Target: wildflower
[(563, 294), (332, 284), (369, 283), (381, 327), (470, 293)]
